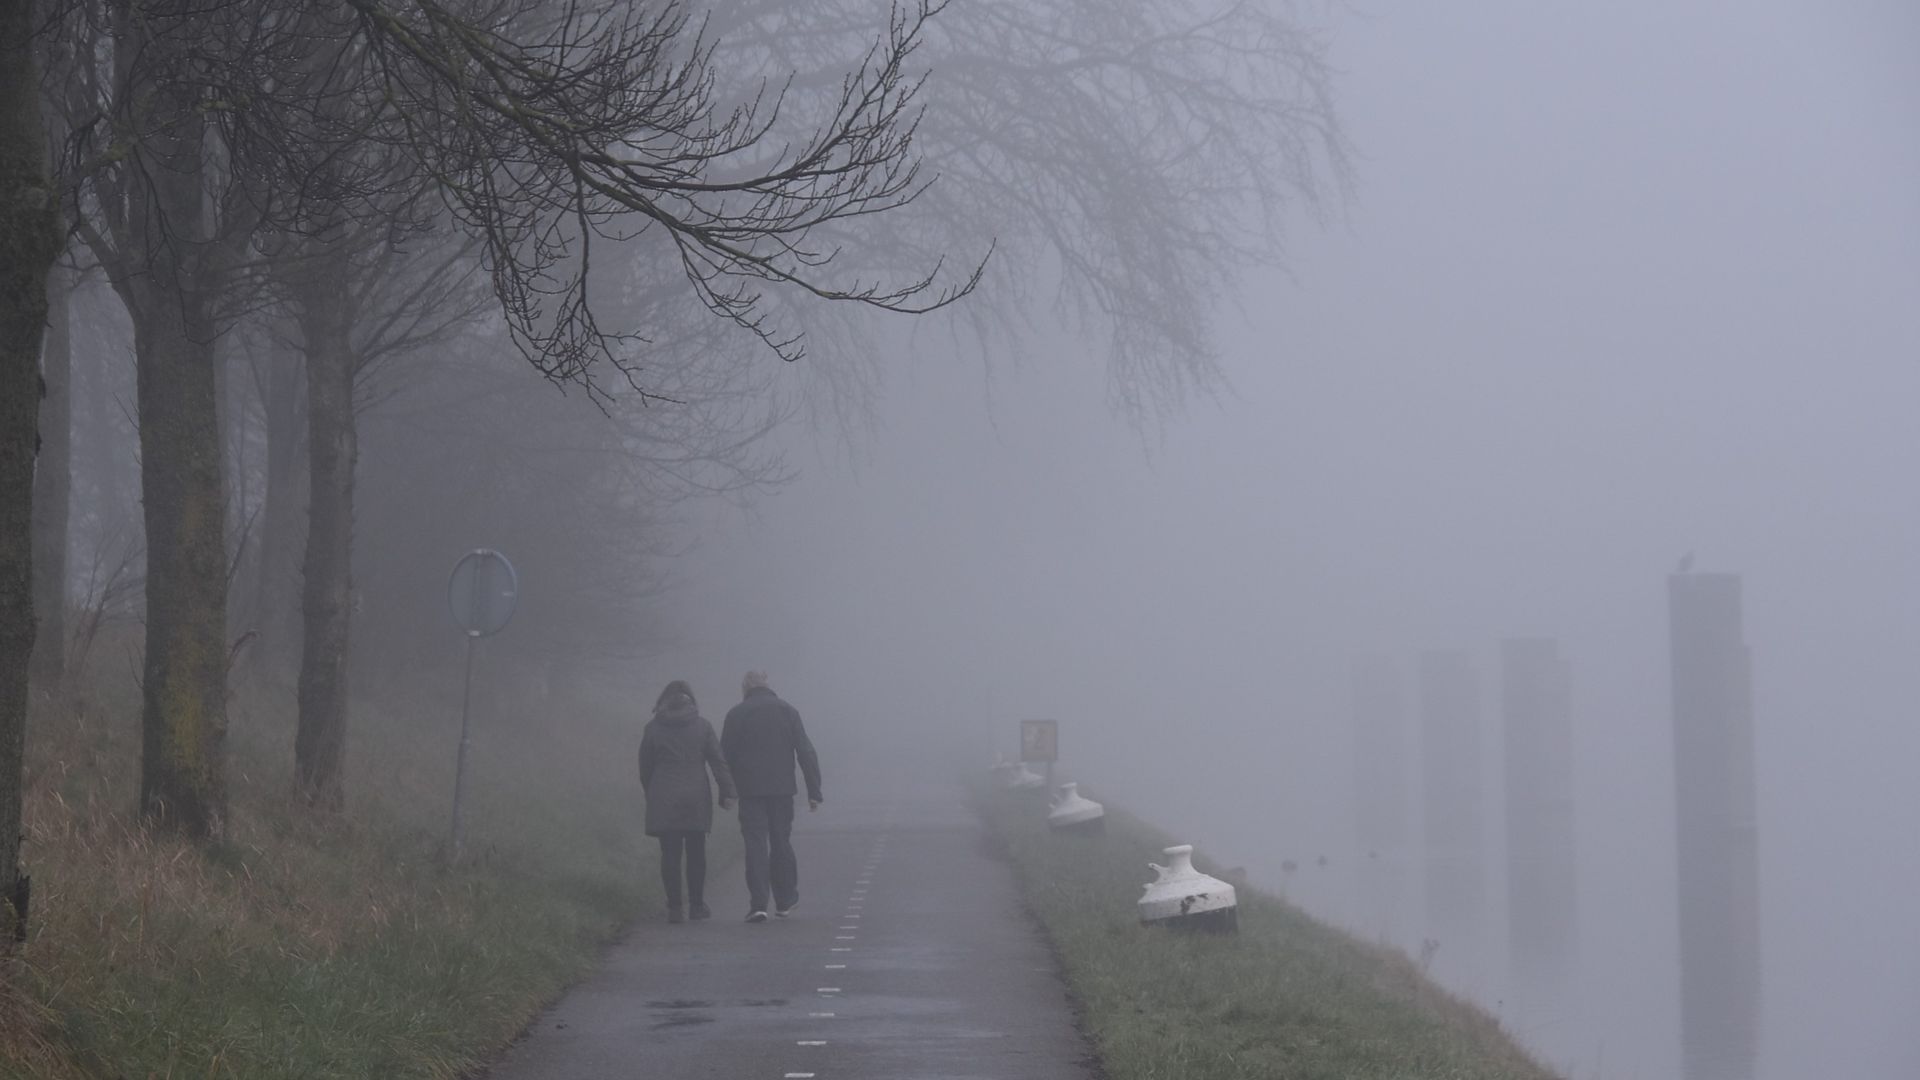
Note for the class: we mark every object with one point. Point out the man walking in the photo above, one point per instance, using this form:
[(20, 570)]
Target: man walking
[(762, 738)]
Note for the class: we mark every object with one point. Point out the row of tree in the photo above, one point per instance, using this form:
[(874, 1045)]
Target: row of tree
[(301, 209)]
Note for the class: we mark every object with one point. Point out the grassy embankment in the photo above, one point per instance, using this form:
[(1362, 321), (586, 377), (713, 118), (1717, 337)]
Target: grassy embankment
[(303, 948), (1288, 997)]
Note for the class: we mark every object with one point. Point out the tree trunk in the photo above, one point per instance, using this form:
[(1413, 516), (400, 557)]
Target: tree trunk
[(29, 241), (320, 741), (52, 486), (184, 709), (183, 715), (275, 610)]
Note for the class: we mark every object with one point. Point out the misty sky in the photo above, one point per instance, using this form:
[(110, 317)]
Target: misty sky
[(1620, 281)]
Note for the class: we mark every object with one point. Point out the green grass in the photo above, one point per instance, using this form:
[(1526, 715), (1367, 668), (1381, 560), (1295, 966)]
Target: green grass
[(1288, 998), (311, 949)]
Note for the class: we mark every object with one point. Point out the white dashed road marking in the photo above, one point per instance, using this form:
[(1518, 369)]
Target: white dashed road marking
[(854, 904)]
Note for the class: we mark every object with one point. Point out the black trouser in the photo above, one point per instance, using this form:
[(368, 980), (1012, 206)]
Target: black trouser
[(766, 824), (694, 845)]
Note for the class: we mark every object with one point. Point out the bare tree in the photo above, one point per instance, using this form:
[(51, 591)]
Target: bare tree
[(557, 173), (277, 379), (29, 242), (166, 202), (1133, 157), (326, 321), (605, 125), (461, 449), (358, 300)]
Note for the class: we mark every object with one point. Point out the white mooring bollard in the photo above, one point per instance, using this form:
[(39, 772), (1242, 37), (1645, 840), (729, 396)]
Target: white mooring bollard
[(1015, 776), (1186, 899), (1074, 812), (1003, 771)]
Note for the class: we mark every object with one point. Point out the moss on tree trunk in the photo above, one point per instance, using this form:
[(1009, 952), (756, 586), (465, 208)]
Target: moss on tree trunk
[(183, 710), (169, 247)]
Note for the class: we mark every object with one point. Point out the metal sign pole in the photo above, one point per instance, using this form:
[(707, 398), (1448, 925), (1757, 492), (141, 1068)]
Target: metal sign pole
[(458, 834), (482, 591)]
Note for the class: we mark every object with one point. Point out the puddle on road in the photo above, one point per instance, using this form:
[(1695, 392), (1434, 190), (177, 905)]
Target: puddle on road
[(692, 1003), (680, 1010)]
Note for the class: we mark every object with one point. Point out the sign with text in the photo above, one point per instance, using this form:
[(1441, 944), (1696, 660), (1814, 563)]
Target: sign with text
[(1039, 740)]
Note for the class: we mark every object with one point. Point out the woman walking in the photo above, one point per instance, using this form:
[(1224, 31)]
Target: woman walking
[(677, 749)]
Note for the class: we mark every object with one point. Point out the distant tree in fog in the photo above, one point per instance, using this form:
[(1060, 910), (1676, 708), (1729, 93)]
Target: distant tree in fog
[(463, 448), (356, 297), (1132, 157)]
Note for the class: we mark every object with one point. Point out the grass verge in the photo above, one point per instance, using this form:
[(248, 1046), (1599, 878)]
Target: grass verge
[(1288, 997), (319, 948)]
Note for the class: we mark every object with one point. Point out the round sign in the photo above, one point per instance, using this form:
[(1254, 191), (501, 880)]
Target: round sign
[(482, 592)]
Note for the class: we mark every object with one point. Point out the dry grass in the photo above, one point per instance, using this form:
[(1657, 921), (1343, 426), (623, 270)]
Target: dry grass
[(317, 948)]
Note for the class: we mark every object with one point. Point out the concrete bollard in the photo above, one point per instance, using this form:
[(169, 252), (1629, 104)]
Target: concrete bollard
[(1186, 899), (1075, 813)]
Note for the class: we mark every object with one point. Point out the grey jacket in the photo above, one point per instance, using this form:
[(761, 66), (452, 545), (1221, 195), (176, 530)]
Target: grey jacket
[(676, 750), (763, 737)]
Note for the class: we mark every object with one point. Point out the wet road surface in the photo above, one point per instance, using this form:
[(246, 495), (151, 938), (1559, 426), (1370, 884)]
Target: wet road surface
[(908, 958)]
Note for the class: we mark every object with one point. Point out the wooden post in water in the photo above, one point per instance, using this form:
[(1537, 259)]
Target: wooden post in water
[(1717, 841), (1382, 774), (1542, 884), (1451, 753)]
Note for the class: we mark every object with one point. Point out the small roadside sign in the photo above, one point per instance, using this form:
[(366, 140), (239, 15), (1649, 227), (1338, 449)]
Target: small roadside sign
[(1039, 740), (482, 591)]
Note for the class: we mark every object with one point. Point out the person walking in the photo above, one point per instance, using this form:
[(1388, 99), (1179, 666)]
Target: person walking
[(762, 739), (676, 751)]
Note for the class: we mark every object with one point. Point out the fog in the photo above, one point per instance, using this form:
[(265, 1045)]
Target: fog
[(1157, 373), (1618, 283)]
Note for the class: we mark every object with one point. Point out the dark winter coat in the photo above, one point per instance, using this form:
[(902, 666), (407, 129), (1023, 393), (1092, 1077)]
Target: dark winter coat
[(763, 737), (676, 751)]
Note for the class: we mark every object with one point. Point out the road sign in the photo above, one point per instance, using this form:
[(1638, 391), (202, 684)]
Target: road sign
[(482, 591), (1039, 740)]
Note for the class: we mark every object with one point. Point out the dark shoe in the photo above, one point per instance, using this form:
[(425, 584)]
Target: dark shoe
[(700, 911), (758, 916), (783, 912), (674, 916)]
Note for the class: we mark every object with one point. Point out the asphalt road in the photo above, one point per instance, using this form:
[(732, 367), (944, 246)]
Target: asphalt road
[(908, 958)]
